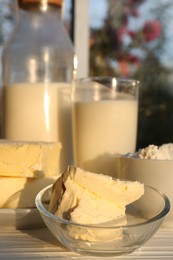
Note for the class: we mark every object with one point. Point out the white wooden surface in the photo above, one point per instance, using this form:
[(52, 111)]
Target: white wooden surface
[(40, 244)]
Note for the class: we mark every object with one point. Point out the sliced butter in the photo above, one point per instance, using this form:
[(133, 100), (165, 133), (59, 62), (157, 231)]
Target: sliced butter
[(89, 198), (118, 191), (92, 198), (29, 159)]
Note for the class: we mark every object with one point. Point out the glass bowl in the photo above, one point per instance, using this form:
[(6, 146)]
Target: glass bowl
[(144, 217)]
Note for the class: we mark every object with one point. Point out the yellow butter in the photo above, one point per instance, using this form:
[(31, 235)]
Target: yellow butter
[(21, 192), (29, 159), (96, 198), (89, 198)]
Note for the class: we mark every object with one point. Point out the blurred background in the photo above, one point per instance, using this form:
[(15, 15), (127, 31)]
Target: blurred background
[(127, 38)]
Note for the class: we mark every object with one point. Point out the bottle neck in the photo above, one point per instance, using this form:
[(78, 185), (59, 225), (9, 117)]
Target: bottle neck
[(39, 5), (36, 13)]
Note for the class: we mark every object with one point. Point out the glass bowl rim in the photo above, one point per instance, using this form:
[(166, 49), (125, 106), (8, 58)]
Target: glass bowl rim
[(44, 211)]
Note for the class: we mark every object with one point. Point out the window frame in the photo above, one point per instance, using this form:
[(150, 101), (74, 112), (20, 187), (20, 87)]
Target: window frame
[(81, 36)]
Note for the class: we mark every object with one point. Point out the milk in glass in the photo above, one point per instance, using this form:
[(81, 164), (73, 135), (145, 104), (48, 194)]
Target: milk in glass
[(103, 128)]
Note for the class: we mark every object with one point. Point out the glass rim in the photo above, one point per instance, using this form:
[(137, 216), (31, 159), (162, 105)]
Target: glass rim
[(108, 78)]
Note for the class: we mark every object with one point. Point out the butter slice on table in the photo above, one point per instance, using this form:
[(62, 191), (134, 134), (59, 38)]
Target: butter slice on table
[(21, 192), (29, 159)]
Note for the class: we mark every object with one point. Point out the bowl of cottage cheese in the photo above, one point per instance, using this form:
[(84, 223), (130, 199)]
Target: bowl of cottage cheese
[(152, 165)]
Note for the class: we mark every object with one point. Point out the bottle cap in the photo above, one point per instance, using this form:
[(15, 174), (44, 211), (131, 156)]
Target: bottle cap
[(56, 2)]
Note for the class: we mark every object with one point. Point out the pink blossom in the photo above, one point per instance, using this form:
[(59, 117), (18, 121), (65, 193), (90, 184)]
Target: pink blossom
[(130, 2), (125, 63), (152, 30), (123, 67), (131, 33), (121, 32), (134, 12), (132, 58), (134, 2)]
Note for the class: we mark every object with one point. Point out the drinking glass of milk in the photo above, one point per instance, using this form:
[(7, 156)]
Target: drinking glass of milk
[(104, 121)]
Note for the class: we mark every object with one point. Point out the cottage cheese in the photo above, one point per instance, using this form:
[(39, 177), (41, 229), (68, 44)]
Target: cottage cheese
[(163, 152)]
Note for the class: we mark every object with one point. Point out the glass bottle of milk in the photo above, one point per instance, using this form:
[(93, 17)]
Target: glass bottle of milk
[(38, 66)]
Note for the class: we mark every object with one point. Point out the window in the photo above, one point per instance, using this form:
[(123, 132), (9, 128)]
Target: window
[(127, 38), (133, 38)]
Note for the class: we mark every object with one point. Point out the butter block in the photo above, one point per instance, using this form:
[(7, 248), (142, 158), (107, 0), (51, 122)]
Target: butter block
[(29, 159), (21, 192)]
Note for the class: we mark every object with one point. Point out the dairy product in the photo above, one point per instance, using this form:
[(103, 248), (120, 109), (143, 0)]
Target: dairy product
[(29, 159), (39, 112), (101, 129), (163, 152), (90, 198), (21, 192)]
